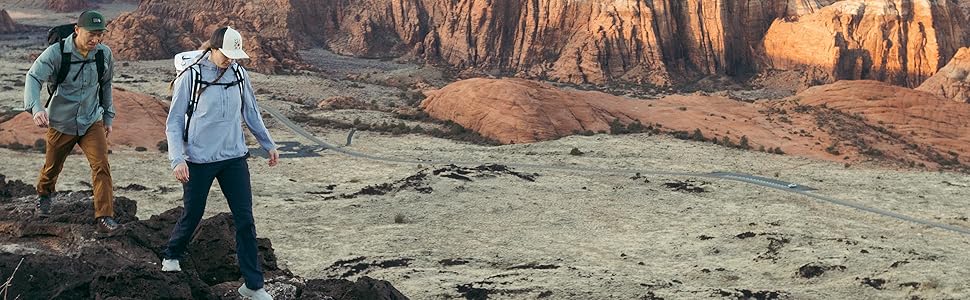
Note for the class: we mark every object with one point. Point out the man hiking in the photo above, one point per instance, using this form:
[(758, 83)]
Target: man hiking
[(79, 111)]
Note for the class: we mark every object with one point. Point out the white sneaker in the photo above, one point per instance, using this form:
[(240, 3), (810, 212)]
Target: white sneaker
[(259, 294), (171, 265)]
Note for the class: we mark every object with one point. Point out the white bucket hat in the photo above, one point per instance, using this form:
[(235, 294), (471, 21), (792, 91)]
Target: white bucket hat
[(232, 45)]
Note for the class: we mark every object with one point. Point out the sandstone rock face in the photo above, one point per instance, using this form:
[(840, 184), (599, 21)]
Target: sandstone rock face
[(69, 5), (523, 111), (599, 41), (160, 29), (7, 25), (894, 123), (952, 81), (140, 122), (596, 41), (902, 42), (847, 121)]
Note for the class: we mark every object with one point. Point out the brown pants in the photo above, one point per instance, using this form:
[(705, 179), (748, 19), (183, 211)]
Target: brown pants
[(94, 144)]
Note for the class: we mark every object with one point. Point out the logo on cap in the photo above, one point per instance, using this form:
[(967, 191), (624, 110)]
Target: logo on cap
[(237, 44), (96, 20)]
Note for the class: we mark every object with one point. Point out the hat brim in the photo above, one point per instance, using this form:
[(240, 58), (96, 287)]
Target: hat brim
[(234, 54), (96, 28)]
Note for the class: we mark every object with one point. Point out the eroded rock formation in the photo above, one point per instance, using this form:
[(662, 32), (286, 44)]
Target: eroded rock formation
[(598, 41), (69, 5), (902, 42), (160, 29), (657, 42), (952, 81)]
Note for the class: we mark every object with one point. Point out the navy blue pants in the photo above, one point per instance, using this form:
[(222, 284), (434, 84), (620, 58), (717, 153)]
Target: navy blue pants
[(233, 176)]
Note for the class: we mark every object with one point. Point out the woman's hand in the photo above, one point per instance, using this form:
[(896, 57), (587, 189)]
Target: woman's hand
[(181, 172), (274, 157)]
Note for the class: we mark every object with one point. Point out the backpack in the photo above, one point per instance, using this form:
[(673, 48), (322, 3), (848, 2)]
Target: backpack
[(189, 60), (57, 35)]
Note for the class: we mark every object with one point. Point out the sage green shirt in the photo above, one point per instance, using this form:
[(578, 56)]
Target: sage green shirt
[(76, 104)]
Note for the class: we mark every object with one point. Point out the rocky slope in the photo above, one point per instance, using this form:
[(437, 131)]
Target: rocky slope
[(848, 121), (951, 82), (69, 5), (59, 257), (161, 29)]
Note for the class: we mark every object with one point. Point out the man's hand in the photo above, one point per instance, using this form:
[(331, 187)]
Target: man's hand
[(40, 119), (107, 131), (181, 172), (274, 157)]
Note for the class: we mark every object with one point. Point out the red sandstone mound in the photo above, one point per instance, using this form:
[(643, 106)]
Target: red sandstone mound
[(139, 122), (899, 42), (69, 5), (847, 121), (59, 258), (952, 81), (7, 25)]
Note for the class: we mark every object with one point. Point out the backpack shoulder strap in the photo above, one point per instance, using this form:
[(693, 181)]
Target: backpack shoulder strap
[(196, 74), (99, 60), (239, 78), (60, 72)]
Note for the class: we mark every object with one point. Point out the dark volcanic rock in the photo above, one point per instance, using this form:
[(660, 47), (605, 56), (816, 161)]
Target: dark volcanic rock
[(60, 256)]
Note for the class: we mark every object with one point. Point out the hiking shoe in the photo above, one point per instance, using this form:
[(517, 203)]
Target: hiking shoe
[(107, 225), (44, 205), (171, 265), (259, 294)]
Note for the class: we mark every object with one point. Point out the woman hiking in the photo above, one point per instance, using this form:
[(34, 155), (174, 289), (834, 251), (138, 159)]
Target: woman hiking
[(206, 142)]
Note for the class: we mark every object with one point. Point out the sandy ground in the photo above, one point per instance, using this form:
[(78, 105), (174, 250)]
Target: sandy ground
[(566, 235)]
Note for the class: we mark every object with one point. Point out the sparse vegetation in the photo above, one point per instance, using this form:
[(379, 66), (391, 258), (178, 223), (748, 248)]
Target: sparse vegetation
[(833, 149), (617, 127), (743, 143), (40, 145), (697, 135)]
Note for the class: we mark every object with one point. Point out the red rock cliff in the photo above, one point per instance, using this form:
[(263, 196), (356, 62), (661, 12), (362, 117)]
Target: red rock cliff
[(593, 41), (902, 42)]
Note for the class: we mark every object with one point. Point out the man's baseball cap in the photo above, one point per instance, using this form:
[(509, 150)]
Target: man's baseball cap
[(229, 41), (92, 21)]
